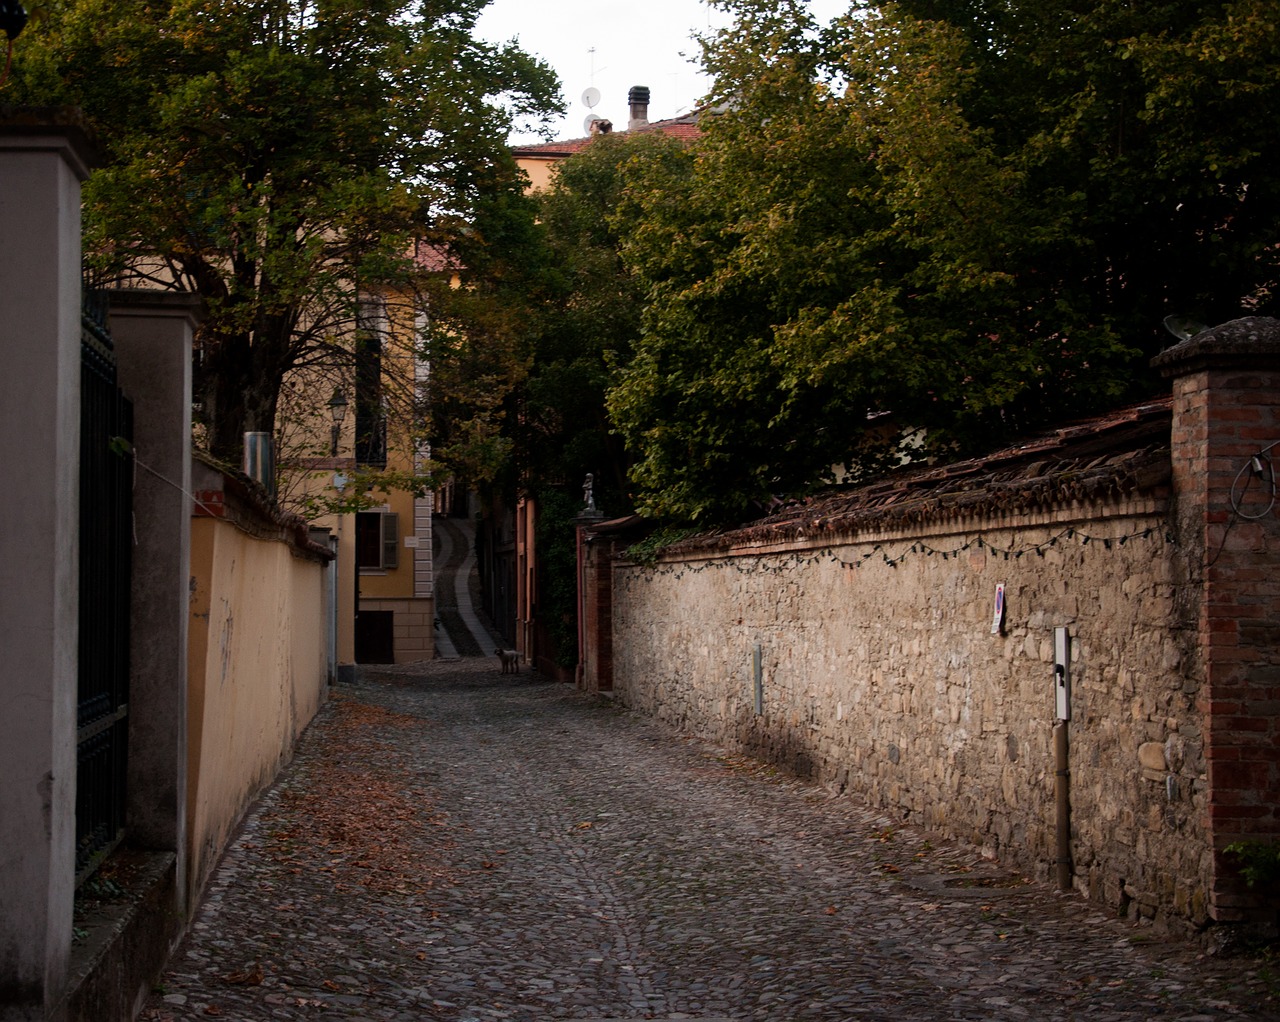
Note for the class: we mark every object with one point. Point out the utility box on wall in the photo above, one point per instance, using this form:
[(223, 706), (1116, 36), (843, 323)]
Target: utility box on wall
[(1062, 673)]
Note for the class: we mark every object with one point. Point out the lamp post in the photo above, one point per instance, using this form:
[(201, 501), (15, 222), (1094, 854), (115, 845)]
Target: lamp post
[(338, 409)]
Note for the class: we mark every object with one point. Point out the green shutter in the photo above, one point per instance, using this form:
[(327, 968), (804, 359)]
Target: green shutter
[(390, 540)]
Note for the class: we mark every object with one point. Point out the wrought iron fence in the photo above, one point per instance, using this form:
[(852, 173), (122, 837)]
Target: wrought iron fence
[(106, 540)]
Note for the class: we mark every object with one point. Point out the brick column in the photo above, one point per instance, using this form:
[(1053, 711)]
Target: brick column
[(1226, 412), (597, 609)]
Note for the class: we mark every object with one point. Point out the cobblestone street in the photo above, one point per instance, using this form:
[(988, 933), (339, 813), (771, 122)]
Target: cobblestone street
[(455, 844)]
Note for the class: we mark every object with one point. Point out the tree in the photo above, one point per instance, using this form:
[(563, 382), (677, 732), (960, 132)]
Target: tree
[(590, 319), (524, 340), (1151, 129), (960, 218), (280, 157)]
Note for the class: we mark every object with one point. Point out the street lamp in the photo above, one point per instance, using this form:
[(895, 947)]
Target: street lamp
[(338, 409)]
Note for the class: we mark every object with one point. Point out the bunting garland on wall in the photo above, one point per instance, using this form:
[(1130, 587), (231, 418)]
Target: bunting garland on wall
[(884, 553)]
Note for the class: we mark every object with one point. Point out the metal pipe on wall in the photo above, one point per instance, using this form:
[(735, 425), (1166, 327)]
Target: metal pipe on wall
[(1061, 752), (1062, 788)]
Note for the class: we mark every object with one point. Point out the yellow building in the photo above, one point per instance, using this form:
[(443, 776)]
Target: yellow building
[(345, 431), (520, 569)]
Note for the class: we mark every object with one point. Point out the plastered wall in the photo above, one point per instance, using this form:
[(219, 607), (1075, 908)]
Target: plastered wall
[(258, 673)]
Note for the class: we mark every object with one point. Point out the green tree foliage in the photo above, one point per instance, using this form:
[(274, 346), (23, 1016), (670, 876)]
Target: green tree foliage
[(590, 322), (958, 218), (522, 347), (279, 157)]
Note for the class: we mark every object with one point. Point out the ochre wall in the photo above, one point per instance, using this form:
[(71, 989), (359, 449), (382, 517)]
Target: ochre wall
[(257, 665)]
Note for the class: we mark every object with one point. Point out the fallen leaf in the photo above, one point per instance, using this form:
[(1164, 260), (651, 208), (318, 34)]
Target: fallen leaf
[(251, 976), (329, 984)]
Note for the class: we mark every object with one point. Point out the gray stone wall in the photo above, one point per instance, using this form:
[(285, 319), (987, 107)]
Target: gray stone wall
[(880, 676)]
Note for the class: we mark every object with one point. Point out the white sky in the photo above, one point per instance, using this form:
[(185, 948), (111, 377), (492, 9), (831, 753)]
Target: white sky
[(636, 42)]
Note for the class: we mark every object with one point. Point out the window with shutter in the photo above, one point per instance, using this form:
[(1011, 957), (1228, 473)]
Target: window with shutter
[(377, 540), (390, 539)]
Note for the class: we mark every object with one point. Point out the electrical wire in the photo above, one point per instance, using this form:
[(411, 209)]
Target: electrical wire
[(8, 63), (1259, 466), (1256, 466)]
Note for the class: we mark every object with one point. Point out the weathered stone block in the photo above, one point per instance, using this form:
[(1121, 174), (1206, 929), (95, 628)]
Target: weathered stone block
[(1151, 756)]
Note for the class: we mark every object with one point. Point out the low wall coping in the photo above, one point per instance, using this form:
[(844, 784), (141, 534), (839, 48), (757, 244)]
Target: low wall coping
[(1250, 342), (1121, 460), (219, 493)]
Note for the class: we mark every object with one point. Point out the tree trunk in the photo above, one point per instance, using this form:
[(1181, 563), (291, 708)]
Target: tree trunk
[(241, 387)]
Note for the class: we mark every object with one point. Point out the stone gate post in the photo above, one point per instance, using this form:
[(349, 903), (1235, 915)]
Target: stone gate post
[(44, 156), (152, 332)]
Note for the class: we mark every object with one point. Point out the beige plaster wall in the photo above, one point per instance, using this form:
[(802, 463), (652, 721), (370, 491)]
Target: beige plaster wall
[(886, 681), (541, 171), (394, 583), (257, 667)]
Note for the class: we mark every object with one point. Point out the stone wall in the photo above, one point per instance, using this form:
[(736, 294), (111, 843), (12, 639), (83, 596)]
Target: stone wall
[(1151, 535), (881, 677)]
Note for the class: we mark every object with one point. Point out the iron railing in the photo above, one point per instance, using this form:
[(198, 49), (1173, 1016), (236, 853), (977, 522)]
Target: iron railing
[(106, 540)]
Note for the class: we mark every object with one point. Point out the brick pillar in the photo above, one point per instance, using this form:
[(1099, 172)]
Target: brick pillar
[(1226, 412), (597, 606)]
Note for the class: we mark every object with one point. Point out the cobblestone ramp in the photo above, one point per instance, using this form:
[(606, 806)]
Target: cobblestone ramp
[(452, 588), (548, 856)]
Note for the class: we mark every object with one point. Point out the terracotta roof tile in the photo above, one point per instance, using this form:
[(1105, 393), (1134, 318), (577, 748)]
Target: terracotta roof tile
[(432, 258), (1121, 453), (684, 128)]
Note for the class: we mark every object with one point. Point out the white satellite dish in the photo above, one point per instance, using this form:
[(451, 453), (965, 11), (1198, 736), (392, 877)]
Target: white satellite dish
[(590, 120), (591, 97)]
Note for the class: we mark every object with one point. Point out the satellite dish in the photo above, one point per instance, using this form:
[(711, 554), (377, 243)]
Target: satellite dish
[(591, 97), (1183, 327), (590, 120)]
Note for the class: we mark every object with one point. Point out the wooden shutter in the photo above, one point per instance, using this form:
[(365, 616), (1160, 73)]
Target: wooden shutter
[(390, 540)]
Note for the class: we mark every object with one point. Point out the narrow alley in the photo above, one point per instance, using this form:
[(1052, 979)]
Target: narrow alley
[(455, 844)]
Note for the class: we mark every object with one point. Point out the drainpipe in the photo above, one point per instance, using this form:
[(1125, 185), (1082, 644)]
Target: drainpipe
[(1062, 774), (1061, 754)]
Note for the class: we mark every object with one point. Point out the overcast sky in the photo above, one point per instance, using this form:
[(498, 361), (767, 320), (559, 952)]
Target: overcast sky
[(635, 42)]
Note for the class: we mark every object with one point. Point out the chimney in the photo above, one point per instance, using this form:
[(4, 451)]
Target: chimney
[(638, 97)]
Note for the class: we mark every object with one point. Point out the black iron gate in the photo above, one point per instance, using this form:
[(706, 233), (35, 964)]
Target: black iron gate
[(106, 541)]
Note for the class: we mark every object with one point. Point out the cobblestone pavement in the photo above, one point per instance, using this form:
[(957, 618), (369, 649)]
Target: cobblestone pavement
[(455, 844)]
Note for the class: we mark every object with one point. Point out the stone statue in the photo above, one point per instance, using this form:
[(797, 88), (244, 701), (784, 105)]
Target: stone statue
[(588, 495)]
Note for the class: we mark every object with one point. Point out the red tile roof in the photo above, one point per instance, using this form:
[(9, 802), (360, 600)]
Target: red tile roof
[(1121, 453), (432, 257), (683, 128)]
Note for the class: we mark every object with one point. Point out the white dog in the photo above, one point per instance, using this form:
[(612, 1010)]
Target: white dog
[(509, 659)]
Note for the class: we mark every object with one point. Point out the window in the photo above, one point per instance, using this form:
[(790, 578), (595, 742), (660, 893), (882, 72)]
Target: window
[(371, 420), (377, 539)]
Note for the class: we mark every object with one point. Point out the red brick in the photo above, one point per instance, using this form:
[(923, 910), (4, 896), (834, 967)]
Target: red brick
[(1221, 811), (1240, 775)]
